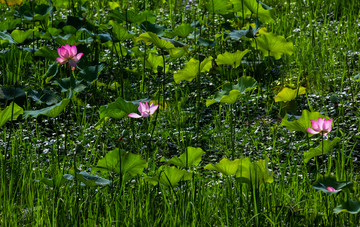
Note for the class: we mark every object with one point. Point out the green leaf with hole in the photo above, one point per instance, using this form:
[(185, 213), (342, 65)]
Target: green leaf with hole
[(314, 152), (169, 176), (350, 206), (12, 111), (225, 166), (255, 173), (303, 122), (124, 163), (324, 183), (51, 111), (231, 93), (288, 94), (273, 45), (192, 69), (20, 36), (191, 157), (233, 59)]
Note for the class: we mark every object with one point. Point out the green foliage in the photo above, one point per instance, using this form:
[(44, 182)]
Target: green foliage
[(323, 183), (149, 37), (183, 30), (123, 163), (233, 59), (303, 122), (314, 152), (169, 176), (118, 109), (89, 179), (244, 170), (192, 69), (11, 112), (153, 62), (20, 36), (225, 166), (273, 45), (47, 53), (231, 93), (288, 94), (191, 157), (51, 111), (349, 206)]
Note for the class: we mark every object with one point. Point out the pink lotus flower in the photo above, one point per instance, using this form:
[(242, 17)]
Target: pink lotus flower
[(69, 54), (144, 110), (331, 189), (321, 126)]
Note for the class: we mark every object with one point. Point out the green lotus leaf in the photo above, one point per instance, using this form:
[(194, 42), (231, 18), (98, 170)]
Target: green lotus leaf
[(51, 111), (231, 93), (47, 53), (191, 69), (20, 36), (118, 109), (314, 152), (255, 173), (253, 8), (169, 176), (272, 45), (122, 163), (12, 111), (146, 26), (288, 94), (89, 179), (225, 166), (153, 62), (233, 59), (119, 32), (183, 30), (191, 157), (149, 37), (350, 206)]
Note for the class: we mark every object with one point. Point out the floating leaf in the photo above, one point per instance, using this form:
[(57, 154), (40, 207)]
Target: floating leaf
[(20, 36), (169, 176), (273, 45), (225, 166), (126, 164), (254, 173), (12, 111), (288, 94), (328, 146), (191, 157), (233, 59), (51, 111), (350, 206), (231, 93), (324, 183), (90, 180), (191, 69)]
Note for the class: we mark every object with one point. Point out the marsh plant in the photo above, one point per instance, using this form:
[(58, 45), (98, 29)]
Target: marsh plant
[(179, 113)]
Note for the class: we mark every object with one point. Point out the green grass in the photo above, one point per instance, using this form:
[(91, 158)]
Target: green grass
[(325, 60)]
